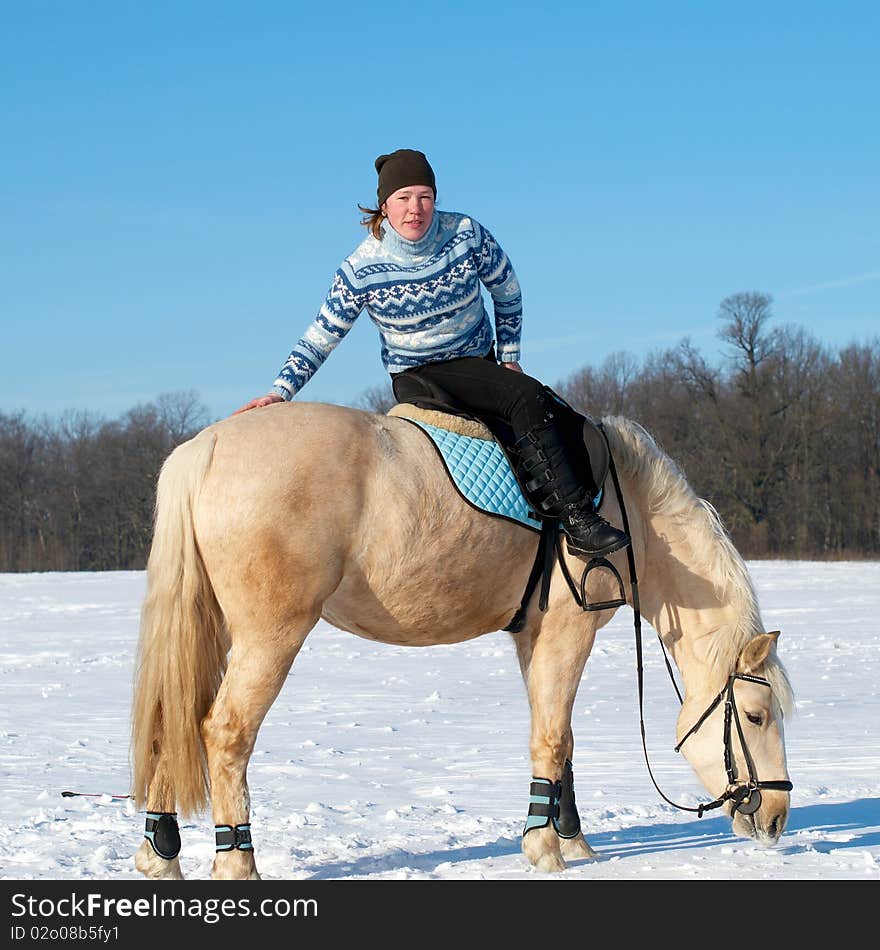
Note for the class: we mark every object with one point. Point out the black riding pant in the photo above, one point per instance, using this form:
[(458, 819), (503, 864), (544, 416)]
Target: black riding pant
[(487, 390)]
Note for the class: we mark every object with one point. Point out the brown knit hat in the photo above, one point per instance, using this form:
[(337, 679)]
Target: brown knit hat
[(399, 169)]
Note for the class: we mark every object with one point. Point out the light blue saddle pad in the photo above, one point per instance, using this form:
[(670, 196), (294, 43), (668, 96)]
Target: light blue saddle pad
[(481, 472)]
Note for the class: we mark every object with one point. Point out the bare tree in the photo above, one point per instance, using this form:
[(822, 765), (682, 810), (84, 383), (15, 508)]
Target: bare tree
[(744, 317), (607, 391), (854, 469), (376, 399), (182, 413)]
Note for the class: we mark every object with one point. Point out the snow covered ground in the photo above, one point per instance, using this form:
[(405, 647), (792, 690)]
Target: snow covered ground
[(379, 762)]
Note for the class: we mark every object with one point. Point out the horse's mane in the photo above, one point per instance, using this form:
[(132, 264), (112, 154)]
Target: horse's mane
[(666, 490)]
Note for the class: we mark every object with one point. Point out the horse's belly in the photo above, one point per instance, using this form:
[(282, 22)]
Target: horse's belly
[(432, 613)]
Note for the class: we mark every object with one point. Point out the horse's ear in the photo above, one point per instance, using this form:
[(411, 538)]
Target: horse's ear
[(755, 652)]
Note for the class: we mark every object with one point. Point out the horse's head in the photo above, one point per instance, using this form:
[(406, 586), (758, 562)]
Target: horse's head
[(734, 740)]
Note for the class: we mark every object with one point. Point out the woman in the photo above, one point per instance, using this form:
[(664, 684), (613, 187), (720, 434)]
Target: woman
[(418, 275)]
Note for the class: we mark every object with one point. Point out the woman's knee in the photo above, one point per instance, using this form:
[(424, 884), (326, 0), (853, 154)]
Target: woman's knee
[(531, 401)]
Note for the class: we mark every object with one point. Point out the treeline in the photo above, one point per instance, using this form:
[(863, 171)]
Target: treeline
[(782, 436), (77, 494)]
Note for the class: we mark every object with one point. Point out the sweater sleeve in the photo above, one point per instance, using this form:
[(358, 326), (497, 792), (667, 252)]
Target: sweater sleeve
[(498, 277), (342, 306)]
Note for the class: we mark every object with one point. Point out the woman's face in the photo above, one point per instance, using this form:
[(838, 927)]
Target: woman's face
[(410, 211)]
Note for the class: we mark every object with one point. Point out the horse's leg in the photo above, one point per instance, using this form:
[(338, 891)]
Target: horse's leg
[(253, 679), (552, 659)]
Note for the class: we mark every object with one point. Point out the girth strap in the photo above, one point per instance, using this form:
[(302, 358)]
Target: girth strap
[(542, 570), (549, 551)]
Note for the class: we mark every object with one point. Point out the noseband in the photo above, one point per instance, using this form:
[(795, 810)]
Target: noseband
[(745, 796)]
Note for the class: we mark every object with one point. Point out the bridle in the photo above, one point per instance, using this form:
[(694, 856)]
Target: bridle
[(745, 796)]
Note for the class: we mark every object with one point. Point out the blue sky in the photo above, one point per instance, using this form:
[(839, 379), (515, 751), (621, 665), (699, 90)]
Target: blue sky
[(179, 181)]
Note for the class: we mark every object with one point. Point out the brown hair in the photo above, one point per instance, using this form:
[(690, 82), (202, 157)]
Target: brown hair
[(372, 221)]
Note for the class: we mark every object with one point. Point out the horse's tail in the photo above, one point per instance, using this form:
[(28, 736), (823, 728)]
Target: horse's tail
[(183, 644)]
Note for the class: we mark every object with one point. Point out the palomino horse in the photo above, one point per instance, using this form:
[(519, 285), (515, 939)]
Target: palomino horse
[(272, 519)]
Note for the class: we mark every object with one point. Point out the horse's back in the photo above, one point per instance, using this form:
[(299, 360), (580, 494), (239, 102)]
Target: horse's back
[(316, 506)]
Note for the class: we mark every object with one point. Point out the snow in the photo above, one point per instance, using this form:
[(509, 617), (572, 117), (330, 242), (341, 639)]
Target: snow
[(380, 762)]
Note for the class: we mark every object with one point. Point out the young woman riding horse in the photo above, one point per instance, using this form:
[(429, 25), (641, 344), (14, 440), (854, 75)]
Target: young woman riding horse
[(242, 568), (418, 275)]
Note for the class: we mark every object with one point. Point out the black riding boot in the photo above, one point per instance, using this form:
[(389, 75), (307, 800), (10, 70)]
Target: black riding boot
[(551, 484)]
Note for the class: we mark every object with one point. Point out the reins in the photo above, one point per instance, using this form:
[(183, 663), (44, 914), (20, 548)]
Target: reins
[(637, 625), (747, 797)]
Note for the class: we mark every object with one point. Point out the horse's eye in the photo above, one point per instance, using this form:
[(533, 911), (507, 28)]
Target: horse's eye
[(756, 719)]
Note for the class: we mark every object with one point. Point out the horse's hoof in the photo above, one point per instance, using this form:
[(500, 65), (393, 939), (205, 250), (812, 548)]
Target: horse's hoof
[(576, 849), (550, 863), (541, 847), (235, 866), (152, 866)]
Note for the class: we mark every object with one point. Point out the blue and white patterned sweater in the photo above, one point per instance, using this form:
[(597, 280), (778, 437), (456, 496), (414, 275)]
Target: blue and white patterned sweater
[(424, 297)]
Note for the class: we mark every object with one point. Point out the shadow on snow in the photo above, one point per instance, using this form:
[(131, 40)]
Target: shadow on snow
[(856, 820)]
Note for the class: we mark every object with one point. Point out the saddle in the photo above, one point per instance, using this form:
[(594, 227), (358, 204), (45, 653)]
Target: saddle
[(478, 455), (580, 431), (475, 463)]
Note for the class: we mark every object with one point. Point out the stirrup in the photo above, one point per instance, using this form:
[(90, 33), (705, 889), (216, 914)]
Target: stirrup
[(620, 601)]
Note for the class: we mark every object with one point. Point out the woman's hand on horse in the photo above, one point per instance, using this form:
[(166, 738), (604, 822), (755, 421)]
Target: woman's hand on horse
[(514, 366), (259, 402)]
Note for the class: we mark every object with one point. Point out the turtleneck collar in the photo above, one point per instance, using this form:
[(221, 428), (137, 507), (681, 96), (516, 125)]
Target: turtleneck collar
[(396, 242)]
